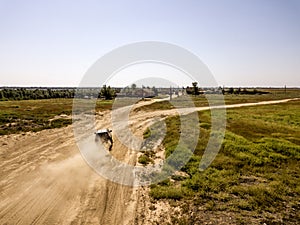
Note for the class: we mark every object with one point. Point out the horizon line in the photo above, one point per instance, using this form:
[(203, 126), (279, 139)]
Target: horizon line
[(74, 87)]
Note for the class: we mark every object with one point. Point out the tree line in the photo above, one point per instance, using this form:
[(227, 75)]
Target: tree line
[(32, 94), (105, 92), (195, 90)]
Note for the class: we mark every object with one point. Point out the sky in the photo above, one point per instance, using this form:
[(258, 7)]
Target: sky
[(243, 43)]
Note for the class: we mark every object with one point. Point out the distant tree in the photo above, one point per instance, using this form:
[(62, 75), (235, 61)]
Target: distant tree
[(195, 88), (155, 90), (237, 91), (230, 91), (107, 92), (133, 86), (220, 90)]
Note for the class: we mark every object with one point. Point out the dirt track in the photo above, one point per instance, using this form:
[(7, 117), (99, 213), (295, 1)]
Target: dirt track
[(44, 180)]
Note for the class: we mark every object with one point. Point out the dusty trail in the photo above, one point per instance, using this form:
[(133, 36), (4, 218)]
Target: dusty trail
[(44, 180)]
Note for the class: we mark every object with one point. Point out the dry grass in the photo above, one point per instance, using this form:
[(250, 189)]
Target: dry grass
[(36, 115)]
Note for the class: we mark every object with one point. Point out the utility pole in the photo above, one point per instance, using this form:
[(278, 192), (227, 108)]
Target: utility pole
[(170, 93), (285, 89)]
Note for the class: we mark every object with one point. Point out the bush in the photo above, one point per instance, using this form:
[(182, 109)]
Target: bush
[(144, 159), (60, 123), (161, 192)]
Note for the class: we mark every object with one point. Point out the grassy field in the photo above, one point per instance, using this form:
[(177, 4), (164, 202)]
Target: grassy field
[(199, 101), (255, 178), (36, 115)]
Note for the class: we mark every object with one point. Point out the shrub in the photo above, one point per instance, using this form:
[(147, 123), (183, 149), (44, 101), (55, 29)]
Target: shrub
[(144, 159), (161, 192)]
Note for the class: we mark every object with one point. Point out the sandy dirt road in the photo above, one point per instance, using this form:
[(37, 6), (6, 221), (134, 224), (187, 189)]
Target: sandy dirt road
[(44, 179)]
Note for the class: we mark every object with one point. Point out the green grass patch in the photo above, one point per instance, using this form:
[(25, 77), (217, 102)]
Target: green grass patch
[(255, 173), (167, 192), (145, 159)]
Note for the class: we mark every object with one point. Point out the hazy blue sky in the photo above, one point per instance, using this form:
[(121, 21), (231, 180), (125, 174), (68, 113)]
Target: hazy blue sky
[(244, 43)]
